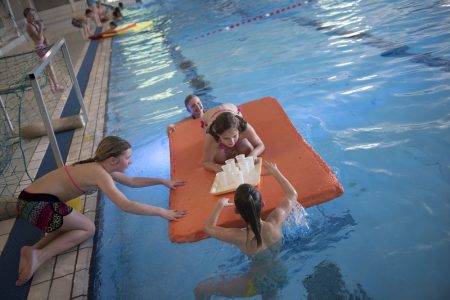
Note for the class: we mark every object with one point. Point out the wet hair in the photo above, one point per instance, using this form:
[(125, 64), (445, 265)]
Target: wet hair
[(187, 100), (110, 146), (120, 5), (247, 201), (87, 11), (112, 24), (225, 121), (26, 11)]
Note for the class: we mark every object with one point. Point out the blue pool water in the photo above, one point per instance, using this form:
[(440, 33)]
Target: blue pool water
[(365, 82)]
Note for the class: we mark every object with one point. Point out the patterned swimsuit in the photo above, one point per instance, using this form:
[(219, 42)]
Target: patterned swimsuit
[(45, 211)]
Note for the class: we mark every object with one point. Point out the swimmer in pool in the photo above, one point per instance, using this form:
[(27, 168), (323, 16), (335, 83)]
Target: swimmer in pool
[(194, 106), (260, 240)]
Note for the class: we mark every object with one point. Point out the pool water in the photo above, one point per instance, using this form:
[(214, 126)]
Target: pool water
[(366, 83)]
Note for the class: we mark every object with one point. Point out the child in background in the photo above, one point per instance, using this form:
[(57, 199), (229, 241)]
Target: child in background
[(92, 4), (35, 30), (82, 23), (117, 14)]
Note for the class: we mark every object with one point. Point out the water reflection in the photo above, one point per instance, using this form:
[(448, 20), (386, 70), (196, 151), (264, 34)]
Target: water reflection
[(327, 282)]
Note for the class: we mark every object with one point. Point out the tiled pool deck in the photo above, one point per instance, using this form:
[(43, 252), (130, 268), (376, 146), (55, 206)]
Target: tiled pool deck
[(66, 276)]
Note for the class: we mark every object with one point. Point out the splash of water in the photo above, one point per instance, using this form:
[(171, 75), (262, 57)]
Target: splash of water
[(296, 225)]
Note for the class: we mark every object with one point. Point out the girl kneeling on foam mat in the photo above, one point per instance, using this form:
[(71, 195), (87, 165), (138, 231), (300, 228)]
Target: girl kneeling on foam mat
[(43, 203), (227, 136)]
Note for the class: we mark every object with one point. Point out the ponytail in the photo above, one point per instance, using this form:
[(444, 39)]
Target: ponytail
[(85, 161), (248, 203), (255, 221)]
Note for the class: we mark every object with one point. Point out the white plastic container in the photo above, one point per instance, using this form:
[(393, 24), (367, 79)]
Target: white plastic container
[(250, 162), (238, 178), (231, 162), (222, 179), (234, 177), (240, 158)]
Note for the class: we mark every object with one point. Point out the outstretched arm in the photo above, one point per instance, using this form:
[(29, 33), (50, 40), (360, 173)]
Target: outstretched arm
[(209, 151), (255, 140), (145, 181), (107, 186), (229, 235), (280, 214)]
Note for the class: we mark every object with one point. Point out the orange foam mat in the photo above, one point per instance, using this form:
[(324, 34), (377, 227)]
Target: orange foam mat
[(310, 175)]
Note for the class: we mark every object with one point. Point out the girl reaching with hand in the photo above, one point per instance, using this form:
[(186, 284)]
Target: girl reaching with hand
[(43, 203)]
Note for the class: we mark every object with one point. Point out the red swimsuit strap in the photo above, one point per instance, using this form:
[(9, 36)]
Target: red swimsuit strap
[(72, 181)]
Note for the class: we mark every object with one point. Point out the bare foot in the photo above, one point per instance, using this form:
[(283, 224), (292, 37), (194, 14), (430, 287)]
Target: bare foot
[(28, 264)]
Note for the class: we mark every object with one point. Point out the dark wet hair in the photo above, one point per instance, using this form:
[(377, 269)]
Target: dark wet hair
[(225, 121), (87, 11), (110, 146), (247, 201)]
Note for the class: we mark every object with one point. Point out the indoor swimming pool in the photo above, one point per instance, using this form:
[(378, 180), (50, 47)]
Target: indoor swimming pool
[(366, 83)]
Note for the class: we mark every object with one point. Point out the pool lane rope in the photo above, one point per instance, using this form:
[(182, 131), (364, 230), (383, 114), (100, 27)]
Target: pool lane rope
[(251, 20)]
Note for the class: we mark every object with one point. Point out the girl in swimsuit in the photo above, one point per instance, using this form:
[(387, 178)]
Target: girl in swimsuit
[(260, 240), (228, 135), (231, 134), (35, 30), (43, 202)]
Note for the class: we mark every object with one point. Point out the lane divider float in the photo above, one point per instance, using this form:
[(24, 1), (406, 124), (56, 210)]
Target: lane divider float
[(251, 20)]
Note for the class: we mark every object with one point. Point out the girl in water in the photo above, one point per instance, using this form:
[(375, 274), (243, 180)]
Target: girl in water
[(260, 240)]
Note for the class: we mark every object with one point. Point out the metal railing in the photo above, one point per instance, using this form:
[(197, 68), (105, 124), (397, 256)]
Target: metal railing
[(34, 76)]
